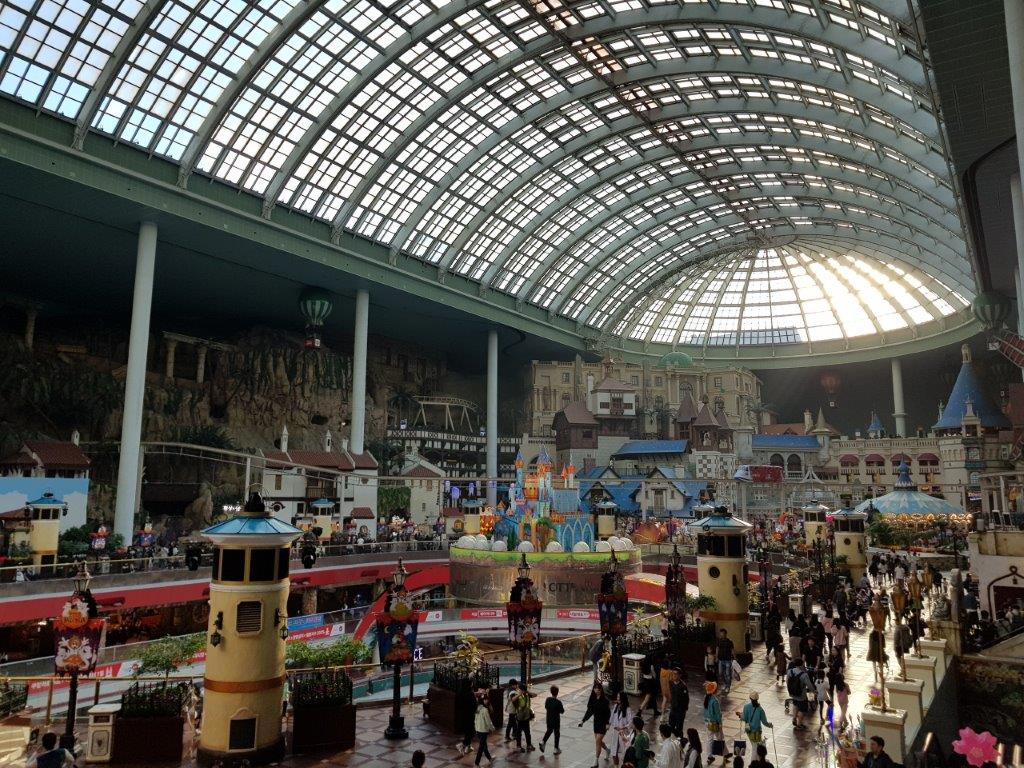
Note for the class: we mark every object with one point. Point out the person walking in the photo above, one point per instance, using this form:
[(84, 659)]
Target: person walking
[(798, 685), (598, 708), (622, 725), (524, 714), (725, 658), (877, 757), (781, 665), (841, 638), (713, 721), (483, 725), (511, 689), (842, 694), (754, 720), (823, 694), (553, 711), (679, 702)]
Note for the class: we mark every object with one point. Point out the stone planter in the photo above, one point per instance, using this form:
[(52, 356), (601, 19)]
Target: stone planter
[(330, 727), (454, 711), (148, 740)]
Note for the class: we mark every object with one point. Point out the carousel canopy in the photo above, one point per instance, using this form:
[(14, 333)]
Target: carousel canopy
[(717, 520), (905, 499)]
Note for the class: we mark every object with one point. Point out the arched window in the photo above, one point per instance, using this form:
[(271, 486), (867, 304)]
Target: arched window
[(793, 463), (776, 460)]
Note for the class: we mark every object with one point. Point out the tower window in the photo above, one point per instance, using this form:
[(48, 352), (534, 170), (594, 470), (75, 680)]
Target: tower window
[(249, 619)]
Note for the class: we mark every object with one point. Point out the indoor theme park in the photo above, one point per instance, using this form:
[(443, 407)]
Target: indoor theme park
[(565, 383)]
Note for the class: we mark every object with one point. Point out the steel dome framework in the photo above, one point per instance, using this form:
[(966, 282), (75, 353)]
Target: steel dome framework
[(696, 172)]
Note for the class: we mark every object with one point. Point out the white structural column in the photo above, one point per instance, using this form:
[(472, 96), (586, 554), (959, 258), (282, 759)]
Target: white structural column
[(128, 480), (358, 432), (492, 418), (1017, 199), (899, 411), (1014, 35)]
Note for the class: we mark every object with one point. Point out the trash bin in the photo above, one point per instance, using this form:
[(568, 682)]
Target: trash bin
[(101, 732), (756, 627), (631, 672), (796, 604)]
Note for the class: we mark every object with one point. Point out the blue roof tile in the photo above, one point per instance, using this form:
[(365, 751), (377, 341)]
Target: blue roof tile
[(968, 386), (650, 448), (794, 442)]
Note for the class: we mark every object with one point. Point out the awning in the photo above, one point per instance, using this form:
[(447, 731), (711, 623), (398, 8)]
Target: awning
[(362, 513), (849, 458), (927, 457), (874, 458), (900, 458)]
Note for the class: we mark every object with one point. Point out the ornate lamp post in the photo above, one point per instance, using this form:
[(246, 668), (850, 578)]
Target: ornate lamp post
[(78, 632), (675, 604), (396, 639), (524, 611), (612, 606)]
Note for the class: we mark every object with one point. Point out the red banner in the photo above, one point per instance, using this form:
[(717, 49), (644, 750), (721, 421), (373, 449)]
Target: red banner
[(577, 613)]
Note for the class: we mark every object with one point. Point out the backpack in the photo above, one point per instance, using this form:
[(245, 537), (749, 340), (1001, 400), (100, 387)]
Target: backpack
[(793, 686)]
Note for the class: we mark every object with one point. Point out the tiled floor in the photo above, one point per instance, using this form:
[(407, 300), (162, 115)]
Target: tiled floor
[(795, 749)]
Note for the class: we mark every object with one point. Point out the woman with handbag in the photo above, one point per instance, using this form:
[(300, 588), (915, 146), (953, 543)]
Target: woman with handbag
[(713, 721), (692, 755), (599, 709), (483, 725)]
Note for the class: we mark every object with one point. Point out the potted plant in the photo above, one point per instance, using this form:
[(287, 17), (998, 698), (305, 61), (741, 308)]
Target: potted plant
[(323, 714), (151, 724), (450, 695)]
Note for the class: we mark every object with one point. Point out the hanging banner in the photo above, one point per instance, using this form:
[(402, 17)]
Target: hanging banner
[(612, 610), (77, 639), (396, 638)]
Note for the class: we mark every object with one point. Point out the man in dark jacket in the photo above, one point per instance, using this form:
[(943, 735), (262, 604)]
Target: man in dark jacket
[(680, 702), (877, 756)]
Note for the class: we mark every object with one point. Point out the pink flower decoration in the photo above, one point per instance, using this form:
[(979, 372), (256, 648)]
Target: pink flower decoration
[(978, 748)]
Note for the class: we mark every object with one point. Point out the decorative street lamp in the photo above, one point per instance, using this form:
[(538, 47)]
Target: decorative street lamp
[(396, 640), (524, 611), (77, 634), (612, 610), (675, 604)]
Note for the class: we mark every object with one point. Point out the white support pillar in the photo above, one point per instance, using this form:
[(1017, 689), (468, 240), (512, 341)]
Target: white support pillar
[(357, 435), (492, 417), (201, 365), (135, 385), (171, 346), (1014, 10), (899, 411), (1017, 208), (30, 327)]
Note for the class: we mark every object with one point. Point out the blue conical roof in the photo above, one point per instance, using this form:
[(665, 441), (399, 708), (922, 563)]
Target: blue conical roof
[(876, 424), (968, 387)]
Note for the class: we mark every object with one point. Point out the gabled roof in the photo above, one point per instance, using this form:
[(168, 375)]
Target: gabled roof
[(722, 420), (421, 470), (323, 459), (596, 472), (790, 442), (968, 387), (54, 454), (577, 414), (705, 418), (650, 448), (364, 460), (687, 409), (609, 384)]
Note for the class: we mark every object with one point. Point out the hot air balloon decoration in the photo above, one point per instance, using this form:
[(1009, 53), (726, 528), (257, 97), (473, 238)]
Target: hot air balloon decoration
[(830, 382), (316, 304)]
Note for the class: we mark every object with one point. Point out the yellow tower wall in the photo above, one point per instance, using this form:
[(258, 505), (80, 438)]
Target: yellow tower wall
[(854, 546), (43, 538), (811, 528), (471, 524), (245, 674), (605, 526), (731, 611)]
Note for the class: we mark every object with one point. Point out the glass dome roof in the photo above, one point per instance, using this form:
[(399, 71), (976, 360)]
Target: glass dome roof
[(580, 155)]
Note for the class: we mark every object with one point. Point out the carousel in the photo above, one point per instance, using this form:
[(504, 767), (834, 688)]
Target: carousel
[(909, 507)]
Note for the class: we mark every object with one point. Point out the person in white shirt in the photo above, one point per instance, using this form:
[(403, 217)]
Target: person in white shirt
[(670, 754), (900, 573)]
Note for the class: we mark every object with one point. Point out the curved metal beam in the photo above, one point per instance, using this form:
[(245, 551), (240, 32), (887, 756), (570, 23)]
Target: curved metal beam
[(117, 60), (926, 242), (924, 207), (860, 126), (864, 92), (550, 106), (242, 79), (708, 143), (835, 36), (927, 253), (670, 279)]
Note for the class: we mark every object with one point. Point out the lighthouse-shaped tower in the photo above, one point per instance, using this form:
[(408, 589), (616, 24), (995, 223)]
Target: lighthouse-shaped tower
[(851, 541), (246, 637), (722, 568), (815, 522)]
